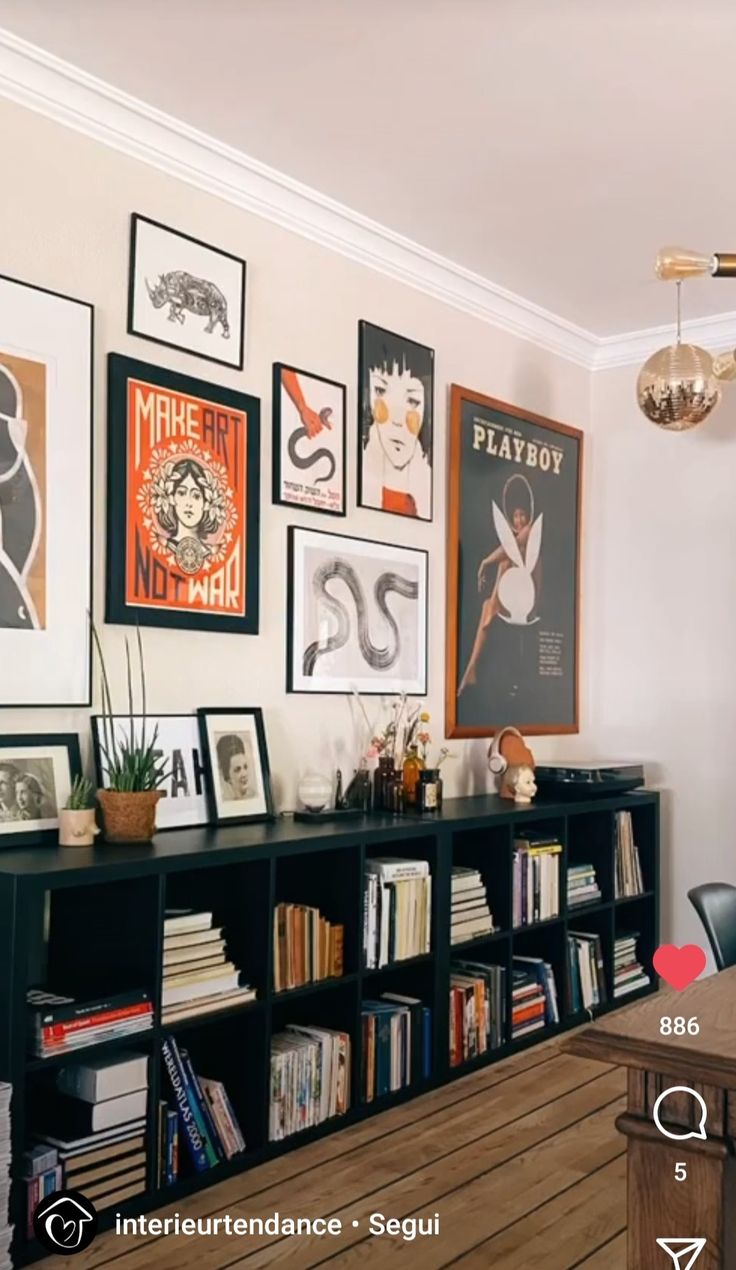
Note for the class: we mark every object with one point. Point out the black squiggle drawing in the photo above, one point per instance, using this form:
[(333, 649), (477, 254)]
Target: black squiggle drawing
[(377, 658), (316, 455), (20, 510)]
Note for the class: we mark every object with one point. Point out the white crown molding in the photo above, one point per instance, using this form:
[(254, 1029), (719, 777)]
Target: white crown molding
[(33, 78)]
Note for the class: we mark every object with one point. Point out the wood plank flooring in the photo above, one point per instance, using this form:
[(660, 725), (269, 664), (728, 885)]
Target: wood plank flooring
[(521, 1161)]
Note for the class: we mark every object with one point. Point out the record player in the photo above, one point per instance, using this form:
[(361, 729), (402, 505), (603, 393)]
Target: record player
[(581, 779)]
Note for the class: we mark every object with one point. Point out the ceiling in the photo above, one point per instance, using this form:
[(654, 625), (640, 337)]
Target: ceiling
[(549, 147)]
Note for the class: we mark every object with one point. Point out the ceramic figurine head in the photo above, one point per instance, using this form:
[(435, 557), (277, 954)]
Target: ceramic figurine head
[(521, 783)]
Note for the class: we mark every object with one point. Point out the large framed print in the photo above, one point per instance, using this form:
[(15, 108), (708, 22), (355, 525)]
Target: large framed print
[(238, 770), (178, 745), (45, 469), (395, 423), (36, 776), (513, 570), (357, 615), (308, 441), (183, 500), (185, 293)]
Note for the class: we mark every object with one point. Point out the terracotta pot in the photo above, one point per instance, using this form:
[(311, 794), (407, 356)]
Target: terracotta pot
[(77, 828), (129, 817)]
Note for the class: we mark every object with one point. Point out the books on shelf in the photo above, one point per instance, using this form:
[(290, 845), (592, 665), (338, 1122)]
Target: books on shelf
[(470, 916), (587, 973), (582, 885), (629, 877), (397, 910), (534, 1003), (477, 1009), (397, 1044), (207, 1123), (198, 978), (6, 1229), (306, 947), (59, 1024), (536, 879), (310, 1079), (628, 973)]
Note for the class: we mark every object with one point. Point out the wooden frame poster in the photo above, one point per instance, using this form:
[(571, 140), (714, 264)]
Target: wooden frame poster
[(183, 499), (513, 570)]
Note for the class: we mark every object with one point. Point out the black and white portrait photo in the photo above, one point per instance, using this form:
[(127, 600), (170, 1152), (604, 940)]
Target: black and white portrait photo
[(357, 615), (178, 749), (186, 293), (237, 767), (36, 775)]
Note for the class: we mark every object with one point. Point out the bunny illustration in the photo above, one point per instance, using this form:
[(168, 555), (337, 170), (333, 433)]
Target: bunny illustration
[(516, 590)]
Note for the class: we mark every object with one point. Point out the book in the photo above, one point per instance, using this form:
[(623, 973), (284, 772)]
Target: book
[(79, 1178), (193, 938), (72, 1118), (191, 1130), (74, 1146), (214, 950), (207, 1005), (205, 1119), (99, 1079), (87, 1158), (185, 920), (175, 992)]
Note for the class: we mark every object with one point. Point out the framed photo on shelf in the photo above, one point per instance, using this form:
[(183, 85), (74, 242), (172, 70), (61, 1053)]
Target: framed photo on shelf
[(238, 775), (184, 804), (357, 615), (395, 423), (45, 460), (183, 501), (513, 570), (36, 776), (308, 441), (185, 293)]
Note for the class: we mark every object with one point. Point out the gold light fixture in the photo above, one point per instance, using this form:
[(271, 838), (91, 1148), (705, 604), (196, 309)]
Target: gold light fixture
[(674, 264), (677, 388)]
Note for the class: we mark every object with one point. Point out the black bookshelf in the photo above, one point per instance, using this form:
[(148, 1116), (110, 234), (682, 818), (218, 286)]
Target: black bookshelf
[(90, 921)]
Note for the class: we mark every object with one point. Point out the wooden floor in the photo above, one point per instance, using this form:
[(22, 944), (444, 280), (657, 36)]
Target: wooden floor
[(521, 1161)]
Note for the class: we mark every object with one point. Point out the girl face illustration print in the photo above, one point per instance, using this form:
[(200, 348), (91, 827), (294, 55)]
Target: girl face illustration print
[(397, 404), (187, 515)]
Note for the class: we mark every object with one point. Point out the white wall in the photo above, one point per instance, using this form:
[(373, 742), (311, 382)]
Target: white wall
[(64, 224)]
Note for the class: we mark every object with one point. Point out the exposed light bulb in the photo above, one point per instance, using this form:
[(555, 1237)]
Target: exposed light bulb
[(673, 263), (724, 366)]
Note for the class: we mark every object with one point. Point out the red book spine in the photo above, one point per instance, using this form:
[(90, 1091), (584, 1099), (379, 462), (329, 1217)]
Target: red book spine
[(57, 1031)]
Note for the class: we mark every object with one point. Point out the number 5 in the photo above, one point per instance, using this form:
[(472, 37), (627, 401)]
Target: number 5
[(681, 1172)]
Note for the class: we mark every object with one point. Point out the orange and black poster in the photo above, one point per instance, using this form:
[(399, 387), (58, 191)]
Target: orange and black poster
[(183, 501)]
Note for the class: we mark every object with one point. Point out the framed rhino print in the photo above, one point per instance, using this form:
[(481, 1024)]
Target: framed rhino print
[(183, 501), (513, 570), (45, 467), (185, 293)]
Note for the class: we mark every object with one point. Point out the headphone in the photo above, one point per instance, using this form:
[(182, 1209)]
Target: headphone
[(496, 760)]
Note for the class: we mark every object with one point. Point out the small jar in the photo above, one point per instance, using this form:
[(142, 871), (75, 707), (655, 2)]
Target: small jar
[(381, 778), (429, 790), (413, 766)]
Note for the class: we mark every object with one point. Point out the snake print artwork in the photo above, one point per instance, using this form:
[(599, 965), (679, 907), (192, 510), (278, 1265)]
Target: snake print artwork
[(316, 455), (377, 658)]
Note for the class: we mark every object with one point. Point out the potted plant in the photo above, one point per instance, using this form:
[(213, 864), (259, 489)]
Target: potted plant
[(77, 826), (133, 767)]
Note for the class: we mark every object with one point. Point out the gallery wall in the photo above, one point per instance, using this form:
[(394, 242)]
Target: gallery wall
[(64, 224)]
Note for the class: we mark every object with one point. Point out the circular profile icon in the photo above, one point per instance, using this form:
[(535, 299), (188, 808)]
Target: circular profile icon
[(65, 1223)]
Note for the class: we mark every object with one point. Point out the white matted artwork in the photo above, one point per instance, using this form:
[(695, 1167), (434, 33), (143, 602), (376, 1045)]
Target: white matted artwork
[(237, 766), (185, 293), (36, 775), (45, 467), (357, 615), (179, 749)]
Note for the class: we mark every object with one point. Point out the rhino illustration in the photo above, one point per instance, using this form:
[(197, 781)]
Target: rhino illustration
[(186, 294)]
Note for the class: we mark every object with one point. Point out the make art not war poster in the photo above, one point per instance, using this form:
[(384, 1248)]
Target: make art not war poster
[(187, 526)]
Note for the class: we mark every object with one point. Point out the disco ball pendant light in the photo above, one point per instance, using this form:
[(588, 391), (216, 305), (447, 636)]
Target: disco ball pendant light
[(677, 388)]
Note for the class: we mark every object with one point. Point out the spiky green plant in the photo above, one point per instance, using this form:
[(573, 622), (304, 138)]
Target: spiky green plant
[(132, 763), (81, 795)]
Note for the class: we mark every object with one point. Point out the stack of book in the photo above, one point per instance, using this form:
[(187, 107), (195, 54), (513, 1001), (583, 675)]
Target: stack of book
[(207, 1122), (397, 910), (470, 916), (536, 879), (397, 1044), (42, 1176), (60, 1025), (6, 1229), (533, 996), (306, 947), (587, 975), (197, 977), (628, 974), (629, 878), (95, 1117), (477, 1009), (582, 885), (310, 1079)]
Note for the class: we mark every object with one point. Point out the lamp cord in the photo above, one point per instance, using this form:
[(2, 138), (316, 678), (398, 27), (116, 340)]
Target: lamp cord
[(678, 284)]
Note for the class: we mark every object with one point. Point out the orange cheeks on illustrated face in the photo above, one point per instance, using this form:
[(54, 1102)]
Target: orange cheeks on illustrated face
[(413, 421), (380, 411)]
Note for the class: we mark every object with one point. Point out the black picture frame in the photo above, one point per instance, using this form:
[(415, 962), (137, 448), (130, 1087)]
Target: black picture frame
[(35, 836), (162, 614), (82, 420), (255, 713), (164, 822), (394, 346), (301, 682), (278, 441), (136, 220)]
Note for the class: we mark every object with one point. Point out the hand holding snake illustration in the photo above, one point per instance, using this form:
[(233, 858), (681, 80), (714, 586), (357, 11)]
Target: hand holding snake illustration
[(377, 658), (312, 424)]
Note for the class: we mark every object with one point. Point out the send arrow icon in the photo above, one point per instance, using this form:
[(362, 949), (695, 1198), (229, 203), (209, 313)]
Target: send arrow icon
[(684, 1252)]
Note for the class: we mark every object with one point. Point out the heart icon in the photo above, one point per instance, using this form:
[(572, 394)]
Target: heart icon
[(679, 966)]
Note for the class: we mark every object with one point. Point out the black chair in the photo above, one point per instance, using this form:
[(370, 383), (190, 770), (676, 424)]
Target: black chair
[(715, 904)]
